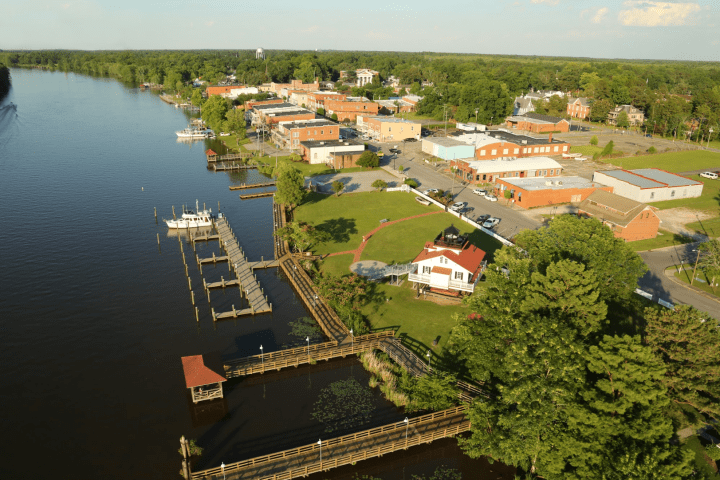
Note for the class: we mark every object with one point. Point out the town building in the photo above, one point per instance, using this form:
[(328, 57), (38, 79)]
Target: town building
[(276, 113), (295, 85), (447, 148), (489, 171), (317, 100), (578, 107), (221, 90), (494, 144), (249, 104), (628, 219), (526, 103), (393, 106), (412, 99), (450, 264), (299, 97), (543, 192), (649, 184), (388, 129), (292, 133), (635, 115), (365, 76), (350, 108), (337, 153), (534, 122)]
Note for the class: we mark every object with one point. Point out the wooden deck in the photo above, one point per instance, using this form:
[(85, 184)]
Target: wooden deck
[(235, 166), (245, 278), (248, 196), (346, 450), (228, 157), (252, 185), (203, 238)]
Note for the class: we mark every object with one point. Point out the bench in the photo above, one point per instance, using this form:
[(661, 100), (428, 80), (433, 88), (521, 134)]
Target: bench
[(384, 220)]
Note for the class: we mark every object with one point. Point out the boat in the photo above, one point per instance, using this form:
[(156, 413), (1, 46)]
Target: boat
[(195, 132), (190, 219)]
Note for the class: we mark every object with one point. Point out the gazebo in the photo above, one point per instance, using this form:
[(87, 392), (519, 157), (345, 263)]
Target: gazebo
[(210, 154), (204, 383)]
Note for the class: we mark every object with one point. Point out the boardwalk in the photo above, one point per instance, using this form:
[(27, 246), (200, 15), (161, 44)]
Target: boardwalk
[(235, 166), (248, 196), (252, 185), (244, 273), (214, 157), (346, 450), (280, 247)]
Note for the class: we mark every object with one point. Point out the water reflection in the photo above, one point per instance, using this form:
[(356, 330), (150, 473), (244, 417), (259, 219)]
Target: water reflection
[(184, 233)]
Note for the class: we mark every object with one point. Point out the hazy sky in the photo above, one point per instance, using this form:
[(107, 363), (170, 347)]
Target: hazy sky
[(688, 30)]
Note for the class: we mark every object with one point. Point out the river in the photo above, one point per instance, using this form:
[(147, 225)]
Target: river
[(96, 314)]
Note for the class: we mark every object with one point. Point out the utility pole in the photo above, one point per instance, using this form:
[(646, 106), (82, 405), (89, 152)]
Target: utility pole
[(445, 117)]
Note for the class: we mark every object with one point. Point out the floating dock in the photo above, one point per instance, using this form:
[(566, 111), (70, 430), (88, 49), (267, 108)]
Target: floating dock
[(245, 186)]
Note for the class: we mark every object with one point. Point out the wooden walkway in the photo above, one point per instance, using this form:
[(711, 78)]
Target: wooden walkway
[(203, 238), (295, 357), (346, 450), (252, 185), (248, 196), (234, 166), (244, 273), (228, 157)]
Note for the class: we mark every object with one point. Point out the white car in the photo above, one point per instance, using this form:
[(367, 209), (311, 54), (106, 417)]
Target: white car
[(431, 190), (492, 198), (490, 222), (480, 191), (711, 175), (458, 207)]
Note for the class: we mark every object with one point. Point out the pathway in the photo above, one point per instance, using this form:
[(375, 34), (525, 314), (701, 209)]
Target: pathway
[(358, 251)]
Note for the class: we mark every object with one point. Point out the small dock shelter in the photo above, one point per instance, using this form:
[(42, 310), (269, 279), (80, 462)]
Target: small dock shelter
[(204, 383)]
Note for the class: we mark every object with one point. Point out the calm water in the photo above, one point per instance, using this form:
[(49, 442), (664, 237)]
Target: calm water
[(95, 315)]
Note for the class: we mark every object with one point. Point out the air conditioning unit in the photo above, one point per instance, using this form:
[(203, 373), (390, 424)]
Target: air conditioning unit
[(559, 182), (548, 183), (524, 142)]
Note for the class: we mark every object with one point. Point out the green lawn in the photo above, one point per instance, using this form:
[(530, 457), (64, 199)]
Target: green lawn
[(701, 281), (664, 239), (337, 265), (348, 217), (671, 161), (711, 227), (309, 170), (402, 242), (590, 150), (709, 201)]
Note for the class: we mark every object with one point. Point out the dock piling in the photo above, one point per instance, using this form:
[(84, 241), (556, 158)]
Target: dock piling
[(174, 218), (158, 238), (189, 284), (213, 314), (192, 297), (155, 213), (197, 315)]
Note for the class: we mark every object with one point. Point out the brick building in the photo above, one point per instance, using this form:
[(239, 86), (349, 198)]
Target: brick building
[(542, 192), (635, 115), (628, 219), (534, 122), (295, 85), (281, 112), (249, 104), (649, 184), (578, 108), (317, 100), (220, 89), (338, 153), (494, 144), (292, 134), (350, 109), (391, 107), (388, 129), (489, 171)]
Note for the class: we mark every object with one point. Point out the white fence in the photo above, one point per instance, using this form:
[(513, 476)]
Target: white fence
[(650, 297)]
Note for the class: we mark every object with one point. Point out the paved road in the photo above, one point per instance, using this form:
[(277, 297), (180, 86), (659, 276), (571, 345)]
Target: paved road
[(661, 286)]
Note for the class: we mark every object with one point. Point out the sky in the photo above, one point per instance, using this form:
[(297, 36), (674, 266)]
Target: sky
[(675, 30)]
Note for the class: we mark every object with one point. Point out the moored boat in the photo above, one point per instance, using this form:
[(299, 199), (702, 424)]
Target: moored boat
[(191, 219)]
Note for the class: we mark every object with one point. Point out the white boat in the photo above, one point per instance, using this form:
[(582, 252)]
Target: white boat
[(190, 219), (194, 132)]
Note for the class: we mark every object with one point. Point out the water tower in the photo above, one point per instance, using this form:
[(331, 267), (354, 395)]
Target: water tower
[(259, 54)]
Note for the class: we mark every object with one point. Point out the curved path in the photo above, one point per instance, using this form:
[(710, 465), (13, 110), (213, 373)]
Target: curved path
[(358, 251)]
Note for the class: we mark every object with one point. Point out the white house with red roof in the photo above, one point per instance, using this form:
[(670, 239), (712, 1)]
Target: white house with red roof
[(450, 264)]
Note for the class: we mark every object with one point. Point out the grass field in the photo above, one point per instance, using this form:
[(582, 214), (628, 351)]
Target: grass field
[(701, 280), (671, 161), (711, 227), (348, 217), (338, 265), (590, 150), (402, 242), (309, 170), (664, 239), (709, 201)]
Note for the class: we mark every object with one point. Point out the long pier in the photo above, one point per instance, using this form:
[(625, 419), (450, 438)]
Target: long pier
[(214, 157), (244, 273), (345, 450), (256, 195), (252, 185), (237, 166)]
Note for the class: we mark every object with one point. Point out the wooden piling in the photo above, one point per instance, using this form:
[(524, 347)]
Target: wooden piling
[(192, 297), (213, 314), (197, 314), (155, 213), (158, 238), (189, 284), (174, 218), (186, 271)]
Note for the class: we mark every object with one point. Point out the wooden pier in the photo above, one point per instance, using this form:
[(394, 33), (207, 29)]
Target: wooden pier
[(228, 157), (256, 195), (345, 450), (227, 168), (246, 280), (203, 238), (245, 186)]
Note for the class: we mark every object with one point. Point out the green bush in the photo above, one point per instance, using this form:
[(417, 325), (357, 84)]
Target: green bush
[(507, 194), (594, 140), (608, 149), (411, 182), (334, 117), (652, 150), (321, 111), (368, 159), (379, 184)]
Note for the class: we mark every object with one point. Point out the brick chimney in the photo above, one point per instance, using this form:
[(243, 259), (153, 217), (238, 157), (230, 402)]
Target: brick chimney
[(550, 139)]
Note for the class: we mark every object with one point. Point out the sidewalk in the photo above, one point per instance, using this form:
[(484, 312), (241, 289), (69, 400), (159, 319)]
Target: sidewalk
[(671, 275)]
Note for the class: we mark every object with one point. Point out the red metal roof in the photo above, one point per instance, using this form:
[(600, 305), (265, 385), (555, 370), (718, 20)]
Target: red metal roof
[(209, 152), (470, 258), (442, 270), (197, 373)]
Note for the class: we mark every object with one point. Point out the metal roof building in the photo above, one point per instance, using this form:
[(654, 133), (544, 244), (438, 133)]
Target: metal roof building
[(649, 184)]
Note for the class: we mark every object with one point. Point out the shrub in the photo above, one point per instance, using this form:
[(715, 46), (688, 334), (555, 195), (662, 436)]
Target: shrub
[(507, 194), (401, 169), (321, 111), (652, 150), (368, 159), (379, 184), (608, 149), (334, 116), (594, 140), (411, 182), (337, 187), (596, 156)]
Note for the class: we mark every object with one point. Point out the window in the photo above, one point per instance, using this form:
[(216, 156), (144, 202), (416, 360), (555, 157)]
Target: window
[(536, 149), (505, 151), (552, 172), (315, 155), (322, 132), (564, 148), (296, 134), (426, 270), (484, 176), (493, 152), (482, 153), (389, 129), (516, 174), (544, 173), (672, 193), (516, 151), (556, 148), (652, 195), (412, 128), (459, 276)]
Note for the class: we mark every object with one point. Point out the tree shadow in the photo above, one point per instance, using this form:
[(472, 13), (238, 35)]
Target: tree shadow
[(339, 229)]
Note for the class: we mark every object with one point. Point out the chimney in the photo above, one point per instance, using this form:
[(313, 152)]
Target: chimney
[(550, 139)]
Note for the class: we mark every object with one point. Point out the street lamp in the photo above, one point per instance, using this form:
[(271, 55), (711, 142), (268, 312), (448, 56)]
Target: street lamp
[(710, 132), (315, 301), (407, 424), (262, 356), (476, 114), (222, 465), (319, 442), (428, 357), (696, 264), (352, 339), (307, 339)]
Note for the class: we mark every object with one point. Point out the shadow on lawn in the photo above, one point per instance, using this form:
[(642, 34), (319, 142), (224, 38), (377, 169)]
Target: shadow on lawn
[(485, 243), (339, 229)]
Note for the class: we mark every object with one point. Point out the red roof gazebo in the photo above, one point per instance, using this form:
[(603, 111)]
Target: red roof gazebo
[(210, 154), (203, 382)]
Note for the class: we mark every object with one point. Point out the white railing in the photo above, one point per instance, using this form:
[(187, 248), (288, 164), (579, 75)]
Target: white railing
[(414, 277), (460, 285), (402, 188)]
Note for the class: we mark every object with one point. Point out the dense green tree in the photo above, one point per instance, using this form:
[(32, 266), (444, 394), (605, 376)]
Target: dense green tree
[(379, 184), (709, 260), (623, 121), (235, 122), (290, 185), (337, 187), (594, 140), (434, 392), (214, 111), (599, 110), (196, 98), (302, 235), (368, 159), (607, 149), (687, 341)]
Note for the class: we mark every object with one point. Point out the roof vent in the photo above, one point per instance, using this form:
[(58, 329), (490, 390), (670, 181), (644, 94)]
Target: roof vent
[(548, 183), (559, 182), (524, 142)]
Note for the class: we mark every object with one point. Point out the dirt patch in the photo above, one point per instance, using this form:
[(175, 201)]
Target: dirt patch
[(675, 219)]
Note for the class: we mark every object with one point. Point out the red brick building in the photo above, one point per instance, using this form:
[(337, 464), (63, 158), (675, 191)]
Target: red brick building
[(317, 100), (628, 219), (542, 192), (251, 103), (219, 90), (292, 134), (536, 123), (578, 108), (489, 171), (349, 110), (495, 144), (270, 114)]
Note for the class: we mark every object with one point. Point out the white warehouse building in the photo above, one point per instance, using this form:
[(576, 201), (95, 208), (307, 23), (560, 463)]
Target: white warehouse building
[(649, 184)]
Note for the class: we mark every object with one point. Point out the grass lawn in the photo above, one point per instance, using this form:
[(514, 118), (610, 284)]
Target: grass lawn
[(309, 170), (402, 242), (338, 265), (671, 161), (702, 461), (414, 116), (711, 227), (348, 217), (701, 281), (709, 201), (590, 150), (664, 239)]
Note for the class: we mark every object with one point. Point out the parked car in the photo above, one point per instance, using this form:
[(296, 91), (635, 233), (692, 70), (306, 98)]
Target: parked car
[(411, 139), (711, 175), (395, 151), (481, 218), (490, 197), (648, 135), (458, 206), (431, 190), (480, 191), (491, 222)]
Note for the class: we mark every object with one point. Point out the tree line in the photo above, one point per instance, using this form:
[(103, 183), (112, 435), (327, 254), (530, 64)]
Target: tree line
[(5, 81)]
